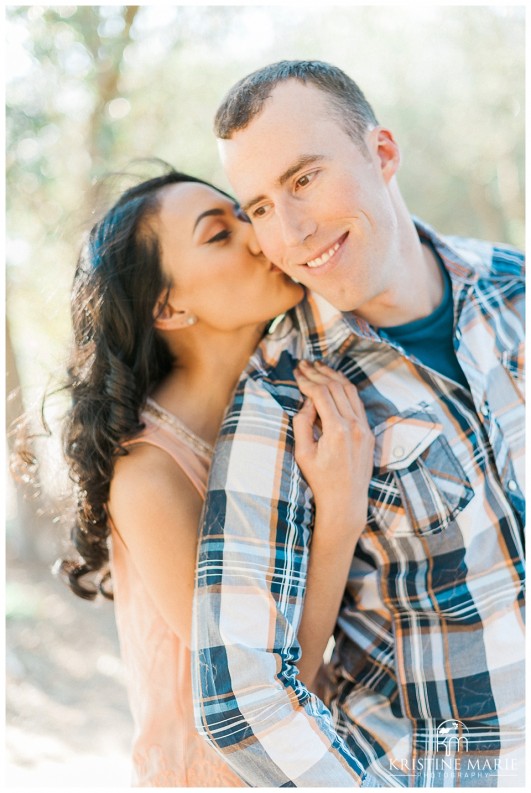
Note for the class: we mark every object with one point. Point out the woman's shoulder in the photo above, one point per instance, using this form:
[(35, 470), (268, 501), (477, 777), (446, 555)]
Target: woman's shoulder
[(143, 463), (147, 484), (147, 469)]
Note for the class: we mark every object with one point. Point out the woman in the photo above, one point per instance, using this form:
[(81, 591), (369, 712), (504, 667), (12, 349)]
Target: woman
[(171, 296)]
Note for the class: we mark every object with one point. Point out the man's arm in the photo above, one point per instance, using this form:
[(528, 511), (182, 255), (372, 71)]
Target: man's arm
[(252, 567)]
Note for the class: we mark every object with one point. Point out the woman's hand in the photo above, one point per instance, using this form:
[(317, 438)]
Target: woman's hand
[(338, 464)]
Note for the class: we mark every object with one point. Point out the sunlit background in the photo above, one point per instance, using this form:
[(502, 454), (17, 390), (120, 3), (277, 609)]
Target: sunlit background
[(89, 89)]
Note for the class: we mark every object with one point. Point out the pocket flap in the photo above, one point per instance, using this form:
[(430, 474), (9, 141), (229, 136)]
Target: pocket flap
[(401, 439)]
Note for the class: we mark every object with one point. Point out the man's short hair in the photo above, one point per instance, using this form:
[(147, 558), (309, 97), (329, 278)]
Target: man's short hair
[(246, 98)]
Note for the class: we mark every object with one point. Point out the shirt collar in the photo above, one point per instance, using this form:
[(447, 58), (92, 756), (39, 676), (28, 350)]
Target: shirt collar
[(460, 269), (325, 329)]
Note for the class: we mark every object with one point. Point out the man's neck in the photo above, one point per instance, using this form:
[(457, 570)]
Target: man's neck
[(416, 293)]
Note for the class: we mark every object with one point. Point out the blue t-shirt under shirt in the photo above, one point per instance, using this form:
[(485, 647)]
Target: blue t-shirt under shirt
[(430, 339)]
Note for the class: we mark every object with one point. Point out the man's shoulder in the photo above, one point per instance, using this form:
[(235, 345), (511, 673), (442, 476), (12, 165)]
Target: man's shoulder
[(269, 373), (489, 260), (267, 393), (265, 382), (257, 428)]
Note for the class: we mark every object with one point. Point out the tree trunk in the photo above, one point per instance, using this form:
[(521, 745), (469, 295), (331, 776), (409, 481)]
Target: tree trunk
[(107, 83)]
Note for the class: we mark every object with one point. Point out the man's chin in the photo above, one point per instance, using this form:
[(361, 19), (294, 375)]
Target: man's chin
[(344, 304)]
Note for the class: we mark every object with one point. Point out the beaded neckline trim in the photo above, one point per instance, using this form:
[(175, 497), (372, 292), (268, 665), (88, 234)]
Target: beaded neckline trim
[(193, 440)]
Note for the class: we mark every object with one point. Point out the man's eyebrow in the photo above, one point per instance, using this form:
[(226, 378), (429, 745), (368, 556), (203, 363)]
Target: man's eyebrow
[(305, 159), (207, 214)]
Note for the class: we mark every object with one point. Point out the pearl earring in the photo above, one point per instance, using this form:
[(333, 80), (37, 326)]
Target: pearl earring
[(191, 320)]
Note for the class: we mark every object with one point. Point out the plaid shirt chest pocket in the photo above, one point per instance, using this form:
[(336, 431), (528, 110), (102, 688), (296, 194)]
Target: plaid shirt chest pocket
[(419, 486)]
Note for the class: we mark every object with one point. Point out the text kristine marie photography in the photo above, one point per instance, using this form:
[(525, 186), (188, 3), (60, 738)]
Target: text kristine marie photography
[(459, 758)]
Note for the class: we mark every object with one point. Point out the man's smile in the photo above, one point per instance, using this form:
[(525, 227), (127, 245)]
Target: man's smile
[(326, 254)]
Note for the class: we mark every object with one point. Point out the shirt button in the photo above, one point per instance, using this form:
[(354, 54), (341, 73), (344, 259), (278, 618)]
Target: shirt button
[(485, 409), (398, 452), (511, 484), (458, 334)]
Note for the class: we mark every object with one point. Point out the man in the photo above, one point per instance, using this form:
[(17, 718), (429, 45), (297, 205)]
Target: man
[(428, 677)]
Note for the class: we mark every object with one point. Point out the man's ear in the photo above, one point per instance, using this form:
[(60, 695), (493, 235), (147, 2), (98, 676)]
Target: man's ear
[(167, 317), (387, 151)]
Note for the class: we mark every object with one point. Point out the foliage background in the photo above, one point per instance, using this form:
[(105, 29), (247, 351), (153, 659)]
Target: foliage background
[(90, 88)]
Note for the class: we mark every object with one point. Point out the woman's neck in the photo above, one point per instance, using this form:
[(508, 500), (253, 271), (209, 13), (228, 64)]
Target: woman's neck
[(209, 364)]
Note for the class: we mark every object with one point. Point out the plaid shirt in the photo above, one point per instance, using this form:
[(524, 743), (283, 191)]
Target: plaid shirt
[(427, 671)]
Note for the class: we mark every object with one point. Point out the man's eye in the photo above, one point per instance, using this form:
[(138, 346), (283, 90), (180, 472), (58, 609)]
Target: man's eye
[(222, 235), (305, 180), (259, 212)]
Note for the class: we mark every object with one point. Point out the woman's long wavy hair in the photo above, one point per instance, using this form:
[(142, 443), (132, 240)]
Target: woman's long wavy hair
[(116, 362)]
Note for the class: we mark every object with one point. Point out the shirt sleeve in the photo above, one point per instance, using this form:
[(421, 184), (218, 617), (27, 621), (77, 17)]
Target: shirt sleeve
[(250, 585)]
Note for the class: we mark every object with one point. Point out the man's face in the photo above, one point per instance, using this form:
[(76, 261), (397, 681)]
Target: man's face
[(322, 208)]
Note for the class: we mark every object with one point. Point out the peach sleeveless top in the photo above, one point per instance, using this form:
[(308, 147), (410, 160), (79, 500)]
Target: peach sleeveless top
[(167, 751)]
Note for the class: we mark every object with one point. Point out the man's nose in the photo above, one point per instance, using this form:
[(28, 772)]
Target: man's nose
[(296, 224), (252, 241)]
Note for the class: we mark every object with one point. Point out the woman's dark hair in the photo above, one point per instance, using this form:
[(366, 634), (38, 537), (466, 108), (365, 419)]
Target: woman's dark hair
[(116, 361)]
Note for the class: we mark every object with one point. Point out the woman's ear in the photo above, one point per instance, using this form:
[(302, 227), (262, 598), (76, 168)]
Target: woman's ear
[(167, 317)]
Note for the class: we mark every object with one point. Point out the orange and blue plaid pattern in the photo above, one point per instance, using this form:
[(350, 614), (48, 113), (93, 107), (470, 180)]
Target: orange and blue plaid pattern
[(430, 631)]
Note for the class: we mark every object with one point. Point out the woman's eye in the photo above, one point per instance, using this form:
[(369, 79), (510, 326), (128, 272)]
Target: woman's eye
[(221, 235), (259, 212)]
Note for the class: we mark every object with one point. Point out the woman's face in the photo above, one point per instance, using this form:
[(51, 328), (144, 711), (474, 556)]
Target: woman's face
[(218, 271)]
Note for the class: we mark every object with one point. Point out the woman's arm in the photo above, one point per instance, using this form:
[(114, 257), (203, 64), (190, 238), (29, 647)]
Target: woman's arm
[(155, 509), (338, 468)]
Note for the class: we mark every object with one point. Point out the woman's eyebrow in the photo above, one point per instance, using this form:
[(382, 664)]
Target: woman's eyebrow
[(208, 213)]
